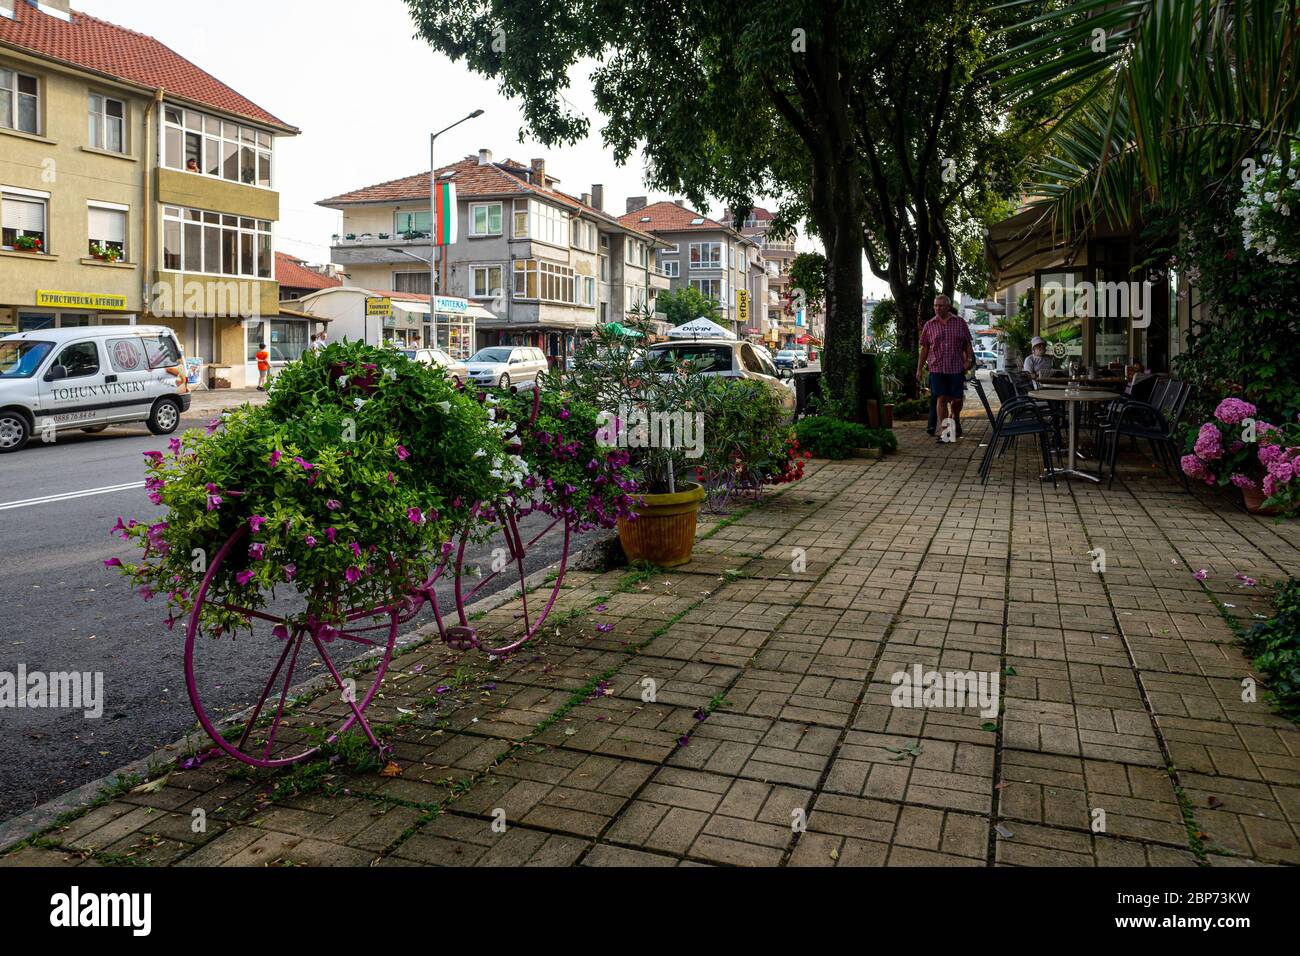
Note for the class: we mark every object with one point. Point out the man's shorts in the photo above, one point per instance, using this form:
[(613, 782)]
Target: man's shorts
[(948, 385)]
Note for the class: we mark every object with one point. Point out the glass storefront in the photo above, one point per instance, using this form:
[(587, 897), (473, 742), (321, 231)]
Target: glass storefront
[(37, 320), (453, 333)]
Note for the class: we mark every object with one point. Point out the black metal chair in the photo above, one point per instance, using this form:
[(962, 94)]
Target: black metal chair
[(1156, 423), (1020, 416)]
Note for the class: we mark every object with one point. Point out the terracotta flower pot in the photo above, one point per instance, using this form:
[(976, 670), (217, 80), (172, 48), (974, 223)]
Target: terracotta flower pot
[(663, 532), (1254, 500)]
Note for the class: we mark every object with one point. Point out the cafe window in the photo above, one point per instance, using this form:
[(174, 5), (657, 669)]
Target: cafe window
[(107, 123), (1060, 318)]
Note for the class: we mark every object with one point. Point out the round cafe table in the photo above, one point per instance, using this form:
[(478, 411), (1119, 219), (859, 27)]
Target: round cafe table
[(1072, 396)]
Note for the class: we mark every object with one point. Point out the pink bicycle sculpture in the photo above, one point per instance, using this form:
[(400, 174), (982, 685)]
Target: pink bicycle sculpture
[(287, 641)]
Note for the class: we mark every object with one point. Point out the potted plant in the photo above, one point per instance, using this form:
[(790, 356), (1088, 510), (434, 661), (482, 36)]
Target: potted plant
[(634, 397), (29, 244), (1260, 459), (105, 253)]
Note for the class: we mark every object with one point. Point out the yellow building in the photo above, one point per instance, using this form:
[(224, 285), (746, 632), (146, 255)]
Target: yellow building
[(134, 187)]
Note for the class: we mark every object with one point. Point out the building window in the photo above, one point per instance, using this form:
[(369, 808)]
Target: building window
[(412, 283), (107, 123), (670, 250), (633, 298), (521, 220), (715, 289), (545, 224), (23, 219), (107, 231), (706, 255), (485, 219), (671, 268), (20, 102), (544, 281), (288, 340), (587, 288), (198, 143), (604, 268), (486, 281), (584, 235), (420, 223), (635, 252), (213, 243)]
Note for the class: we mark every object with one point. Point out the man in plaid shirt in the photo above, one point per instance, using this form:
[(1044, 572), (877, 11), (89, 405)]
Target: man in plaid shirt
[(946, 345)]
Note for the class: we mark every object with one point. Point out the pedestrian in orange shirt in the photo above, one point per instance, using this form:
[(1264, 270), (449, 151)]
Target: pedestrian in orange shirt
[(263, 366)]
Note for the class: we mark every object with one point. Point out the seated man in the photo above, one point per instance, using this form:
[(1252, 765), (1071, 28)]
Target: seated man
[(1037, 363)]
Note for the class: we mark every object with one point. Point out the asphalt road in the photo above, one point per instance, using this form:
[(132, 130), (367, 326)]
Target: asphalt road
[(61, 610)]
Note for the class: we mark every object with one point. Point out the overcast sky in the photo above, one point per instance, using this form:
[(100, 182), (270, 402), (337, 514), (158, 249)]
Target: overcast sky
[(366, 95)]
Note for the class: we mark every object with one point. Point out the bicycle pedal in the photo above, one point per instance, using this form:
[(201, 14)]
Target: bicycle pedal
[(461, 638)]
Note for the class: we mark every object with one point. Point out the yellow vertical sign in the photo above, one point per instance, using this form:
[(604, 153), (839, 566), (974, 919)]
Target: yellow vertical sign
[(742, 305)]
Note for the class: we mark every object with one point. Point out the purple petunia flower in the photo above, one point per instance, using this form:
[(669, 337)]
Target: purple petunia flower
[(154, 456), (333, 504), (310, 541), (352, 575), (214, 502), (290, 572), (243, 577), (604, 628), (174, 445), (330, 535), (113, 563), (402, 453), (414, 515), (257, 551), (275, 458), (256, 522), (356, 550), (1201, 575), (213, 425)]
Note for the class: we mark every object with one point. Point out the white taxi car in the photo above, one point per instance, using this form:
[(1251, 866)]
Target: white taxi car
[(54, 380)]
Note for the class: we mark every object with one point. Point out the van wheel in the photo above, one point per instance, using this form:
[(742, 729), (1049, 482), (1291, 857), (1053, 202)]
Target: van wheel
[(164, 418), (94, 429), (14, 431)]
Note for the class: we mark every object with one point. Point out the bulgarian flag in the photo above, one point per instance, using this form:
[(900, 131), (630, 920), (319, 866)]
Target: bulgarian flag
[(444, 214)]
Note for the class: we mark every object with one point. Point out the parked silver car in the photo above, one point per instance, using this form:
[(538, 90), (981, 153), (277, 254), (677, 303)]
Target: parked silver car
[(456, 371), (729, 358), (506, 365)]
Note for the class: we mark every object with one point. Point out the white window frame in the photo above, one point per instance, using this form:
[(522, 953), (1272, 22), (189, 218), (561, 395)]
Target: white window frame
[(15, 97), (256, 231), (29, 195), (239, 135), (548, 224), (474, 207), (543, 272), (672, 268), (586, 289), (715, 262), (95, 204), (721, 299), (104, 121), (486, 268), (424, 275)]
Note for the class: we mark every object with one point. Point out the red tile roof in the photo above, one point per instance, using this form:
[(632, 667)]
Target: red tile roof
[(108, 49), (292, 273), (669, 217), (471, 179)]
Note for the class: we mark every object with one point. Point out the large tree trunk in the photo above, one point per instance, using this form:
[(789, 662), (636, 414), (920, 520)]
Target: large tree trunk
[(842, 351)]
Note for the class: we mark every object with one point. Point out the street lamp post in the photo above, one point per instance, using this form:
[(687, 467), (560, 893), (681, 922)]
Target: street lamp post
[(433, 211)]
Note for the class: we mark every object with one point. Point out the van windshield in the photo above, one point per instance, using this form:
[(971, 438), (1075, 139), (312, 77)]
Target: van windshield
[(22, 359)]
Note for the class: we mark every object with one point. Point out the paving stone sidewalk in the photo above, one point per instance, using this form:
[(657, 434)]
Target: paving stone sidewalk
[(738, 711)]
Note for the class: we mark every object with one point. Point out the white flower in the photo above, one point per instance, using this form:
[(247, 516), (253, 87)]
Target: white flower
[(445, 406), (390, 373), (358, 402), (343, 381), (480, 453)]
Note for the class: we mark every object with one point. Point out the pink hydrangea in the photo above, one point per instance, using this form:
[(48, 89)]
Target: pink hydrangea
[(1244, 481), (1233, 411), (1269, 454), (1209, 443), (1193, 467), (1282, 470)]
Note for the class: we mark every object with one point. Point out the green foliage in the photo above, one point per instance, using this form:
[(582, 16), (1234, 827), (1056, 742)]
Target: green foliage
[(898, 367), (687, 303), (1247, 343), (884, 321), (1274, 646), (832, 438), (808, 276), (747, 438), (911, 409), (347, 486)]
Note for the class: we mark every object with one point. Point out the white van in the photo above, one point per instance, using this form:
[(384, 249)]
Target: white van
[(89, 378)]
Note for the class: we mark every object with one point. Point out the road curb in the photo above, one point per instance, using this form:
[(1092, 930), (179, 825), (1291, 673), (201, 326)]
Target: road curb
[(39, 819)]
